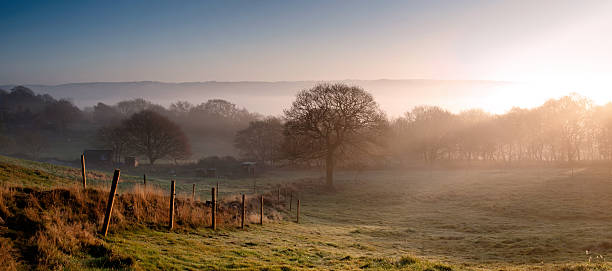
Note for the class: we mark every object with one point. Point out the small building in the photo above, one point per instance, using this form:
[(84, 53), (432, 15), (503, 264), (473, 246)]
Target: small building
[(99, 158), (249, 168), (131, 161)]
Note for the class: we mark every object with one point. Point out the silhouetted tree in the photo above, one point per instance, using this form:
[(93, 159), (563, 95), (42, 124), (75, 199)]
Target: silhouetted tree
[(116, 138), (155, 136), (180, 109), (22, 98), (328, 118)]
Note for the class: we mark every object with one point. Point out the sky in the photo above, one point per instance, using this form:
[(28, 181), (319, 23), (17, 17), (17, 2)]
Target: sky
[(558, 46)]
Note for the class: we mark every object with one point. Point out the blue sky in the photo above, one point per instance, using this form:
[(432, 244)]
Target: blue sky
[(53, 42)]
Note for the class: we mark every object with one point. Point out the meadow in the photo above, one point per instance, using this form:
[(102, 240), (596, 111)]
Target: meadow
[(511, 218), (529, 218), (518, 218)]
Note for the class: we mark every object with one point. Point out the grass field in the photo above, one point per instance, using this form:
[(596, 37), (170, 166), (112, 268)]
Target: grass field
[(479, 218), (476, 219), (520, 219)]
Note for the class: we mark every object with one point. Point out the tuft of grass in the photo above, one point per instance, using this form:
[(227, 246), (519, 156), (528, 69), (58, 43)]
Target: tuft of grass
[(7, 255)]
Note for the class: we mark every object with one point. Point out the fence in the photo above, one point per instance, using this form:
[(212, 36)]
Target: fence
[(278, 202)]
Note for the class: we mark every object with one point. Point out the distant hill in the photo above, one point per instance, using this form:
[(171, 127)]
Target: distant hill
[(395, 96)]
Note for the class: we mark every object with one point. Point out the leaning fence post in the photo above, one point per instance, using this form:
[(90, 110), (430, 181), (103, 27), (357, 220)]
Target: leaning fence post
[(193, 193), (261, 211), (243, 210), (83, 171), (172, 194), (213, 209), (298, 212), (111, 200)]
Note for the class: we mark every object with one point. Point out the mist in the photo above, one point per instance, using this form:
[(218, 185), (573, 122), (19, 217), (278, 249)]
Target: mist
[(270, 98)]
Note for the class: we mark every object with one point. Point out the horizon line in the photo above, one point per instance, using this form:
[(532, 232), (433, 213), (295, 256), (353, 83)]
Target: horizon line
[(258, 81)]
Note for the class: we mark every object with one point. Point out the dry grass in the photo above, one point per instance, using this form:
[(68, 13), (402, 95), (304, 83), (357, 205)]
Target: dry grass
[(7, 255), (51, 226)]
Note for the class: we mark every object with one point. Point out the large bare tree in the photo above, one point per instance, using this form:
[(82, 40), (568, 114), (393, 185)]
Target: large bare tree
[(330, 119)]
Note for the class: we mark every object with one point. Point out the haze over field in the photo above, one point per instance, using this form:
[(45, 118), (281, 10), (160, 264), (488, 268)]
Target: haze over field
[(270, 98)]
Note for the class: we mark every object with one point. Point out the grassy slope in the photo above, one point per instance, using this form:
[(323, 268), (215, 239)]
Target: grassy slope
[(28, 173), (517, 219), (423, 215), (275, 246)]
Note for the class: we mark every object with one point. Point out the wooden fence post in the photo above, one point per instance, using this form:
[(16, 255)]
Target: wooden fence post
[(213, 209), (278, 195), (193, 193), (172, 194), (290, 199), (261, 211), (298, 212), (83, 171), (144, 179), (243, 209), (111, 200)]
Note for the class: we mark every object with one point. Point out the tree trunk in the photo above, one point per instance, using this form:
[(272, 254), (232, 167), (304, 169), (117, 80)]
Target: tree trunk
[(329, 166)]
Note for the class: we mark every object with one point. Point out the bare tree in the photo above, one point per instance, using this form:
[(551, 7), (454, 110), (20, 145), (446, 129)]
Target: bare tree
[(116, 138), (328, 119), (154, 136), (433, 127), (180, 108), (260, 141)]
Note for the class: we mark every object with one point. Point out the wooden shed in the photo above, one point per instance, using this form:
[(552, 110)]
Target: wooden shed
[(100, 158)]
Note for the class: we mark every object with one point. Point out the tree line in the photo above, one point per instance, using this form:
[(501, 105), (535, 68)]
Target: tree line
[(331, 124), (569, 128), (30, 123), (340, 124)]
